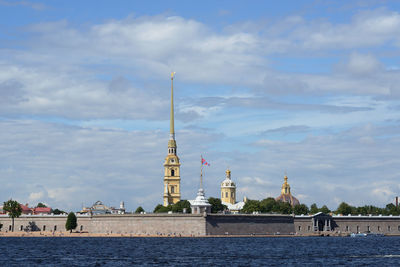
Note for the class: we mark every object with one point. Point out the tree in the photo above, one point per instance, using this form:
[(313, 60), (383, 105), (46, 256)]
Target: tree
[(41, 205), (57, 212), (325, 209), (269, 204), (251, 206), (14, 210), (344, 208), (180, 205), (216, 205), (71, 223), (139, 210), (284, 207), (300, 209), (314, 208), (161, 209)]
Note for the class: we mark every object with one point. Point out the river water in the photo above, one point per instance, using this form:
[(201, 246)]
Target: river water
[(253, 251)]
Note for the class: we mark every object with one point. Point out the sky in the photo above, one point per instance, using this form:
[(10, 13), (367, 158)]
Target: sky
[(310, 89)]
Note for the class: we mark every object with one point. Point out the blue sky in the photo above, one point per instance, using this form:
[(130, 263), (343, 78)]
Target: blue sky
[(310, 88)]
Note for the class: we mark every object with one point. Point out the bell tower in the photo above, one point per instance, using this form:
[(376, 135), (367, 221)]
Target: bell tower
[(228, 189), (172, 176)]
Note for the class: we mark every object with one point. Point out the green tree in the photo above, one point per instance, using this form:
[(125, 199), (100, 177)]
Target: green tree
[(41, 205), (391, 209), (139, 210), (300, 209), (71, 223), (14, 210), (57, 212), (269, 205), (324, 209), (252, 206), (344, 209), (314, 208), (284, 208), (216, 205), (180, 205), (161, 209)]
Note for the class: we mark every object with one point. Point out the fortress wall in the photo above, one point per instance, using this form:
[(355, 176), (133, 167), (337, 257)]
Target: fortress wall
[(388, 225), (150, 224), (240, 224), (376, 224), (136, 224)]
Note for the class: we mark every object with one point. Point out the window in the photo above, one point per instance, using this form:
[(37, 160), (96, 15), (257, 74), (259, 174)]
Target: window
[(226, 194), (55, 228), (358, 229), (379, 228), (347, 228), (232, 194), (81, 228), (172, 189), (9, 228), (172, 172), (368, 228), (299, 227), (222, 194), (44, 227), (309, 228), (398, 227), (388, 228), (21, 228)]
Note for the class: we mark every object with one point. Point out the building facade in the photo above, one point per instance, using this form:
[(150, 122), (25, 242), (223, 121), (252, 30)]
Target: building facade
[(172, 176)]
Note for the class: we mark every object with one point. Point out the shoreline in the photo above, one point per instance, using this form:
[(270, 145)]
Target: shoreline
[(68, 234)]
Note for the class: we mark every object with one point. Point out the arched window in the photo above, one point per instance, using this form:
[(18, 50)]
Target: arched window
[(172, 172), (81, 228), (55, 228), (226, 194), (44, 227), (172, 189)]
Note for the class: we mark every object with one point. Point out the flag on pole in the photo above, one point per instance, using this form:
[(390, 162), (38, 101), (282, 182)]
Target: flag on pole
[(204, 162)]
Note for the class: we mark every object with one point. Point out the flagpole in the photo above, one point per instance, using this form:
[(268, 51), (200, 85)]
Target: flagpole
[(201, 172)]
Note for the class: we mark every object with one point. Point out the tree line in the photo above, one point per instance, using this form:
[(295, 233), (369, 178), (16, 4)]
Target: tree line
[(270, 205)]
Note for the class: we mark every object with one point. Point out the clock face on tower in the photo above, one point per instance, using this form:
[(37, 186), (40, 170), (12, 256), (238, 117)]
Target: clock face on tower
[(172, 160)]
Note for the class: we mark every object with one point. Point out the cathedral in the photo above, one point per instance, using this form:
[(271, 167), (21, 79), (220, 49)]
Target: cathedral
[(172, 177)]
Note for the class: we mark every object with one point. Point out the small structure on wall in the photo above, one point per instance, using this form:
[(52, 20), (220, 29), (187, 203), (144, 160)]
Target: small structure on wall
[(286, 195), (99, 208)]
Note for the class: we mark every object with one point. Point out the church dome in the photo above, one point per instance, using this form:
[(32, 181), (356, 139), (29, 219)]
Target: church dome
[(228, 182), (285, 195)]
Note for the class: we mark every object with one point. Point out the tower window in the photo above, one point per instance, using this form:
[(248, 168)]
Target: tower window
[(172, 172), (172, 189), (222, 194), (232, 194), (226, 194)]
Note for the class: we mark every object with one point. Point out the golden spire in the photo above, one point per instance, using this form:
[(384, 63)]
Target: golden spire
[(171, 126), (228, 173)]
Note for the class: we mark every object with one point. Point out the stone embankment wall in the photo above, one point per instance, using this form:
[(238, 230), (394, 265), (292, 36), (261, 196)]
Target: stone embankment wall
[(135, 224), (257, 224), (388, 225)]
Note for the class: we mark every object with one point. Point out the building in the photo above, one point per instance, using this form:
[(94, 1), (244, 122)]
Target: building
[(285, 195), (228, 194), (172, 178), (98, 208), (200, 205)]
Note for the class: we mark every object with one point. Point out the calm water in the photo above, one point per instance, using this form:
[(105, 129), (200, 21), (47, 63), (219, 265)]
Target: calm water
[(312, 251)]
